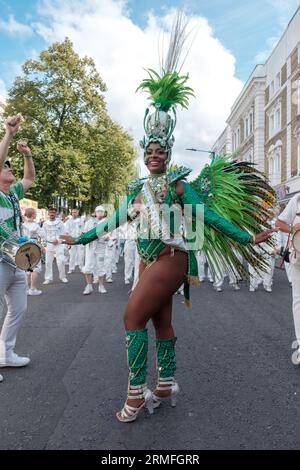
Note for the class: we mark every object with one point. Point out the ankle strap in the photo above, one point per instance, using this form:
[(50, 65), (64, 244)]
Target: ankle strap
[(169, 381), (140, 389)]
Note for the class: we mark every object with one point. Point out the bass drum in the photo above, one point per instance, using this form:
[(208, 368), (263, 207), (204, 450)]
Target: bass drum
[(296, 240), (24, 256)]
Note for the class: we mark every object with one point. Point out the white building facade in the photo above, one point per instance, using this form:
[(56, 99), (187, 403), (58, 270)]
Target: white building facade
[(264, 123)]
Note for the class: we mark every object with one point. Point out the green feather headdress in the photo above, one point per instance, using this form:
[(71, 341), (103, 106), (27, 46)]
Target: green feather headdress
[(166, 91)]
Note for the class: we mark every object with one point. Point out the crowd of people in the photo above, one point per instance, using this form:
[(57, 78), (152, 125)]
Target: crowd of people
[(97, 261)]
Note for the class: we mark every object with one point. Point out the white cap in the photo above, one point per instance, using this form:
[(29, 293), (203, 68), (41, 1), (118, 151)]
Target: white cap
[(99, 209)]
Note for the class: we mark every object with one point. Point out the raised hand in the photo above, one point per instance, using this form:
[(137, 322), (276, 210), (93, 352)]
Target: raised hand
[(12, 124), (23, 148), (263, 236), (68, 239)]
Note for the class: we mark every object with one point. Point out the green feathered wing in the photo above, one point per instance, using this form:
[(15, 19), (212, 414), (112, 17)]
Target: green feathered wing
[(241, 194)]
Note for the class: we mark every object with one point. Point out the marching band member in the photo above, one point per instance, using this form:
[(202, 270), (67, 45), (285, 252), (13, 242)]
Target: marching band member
[(95, 255), (33, 231), (75, 227), (13, 286), (202, 262), (53, 228), (289, 222), (130, 234)]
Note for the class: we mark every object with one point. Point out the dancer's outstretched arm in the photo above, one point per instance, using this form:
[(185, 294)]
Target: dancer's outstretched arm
[(189, 196), (119, 217)]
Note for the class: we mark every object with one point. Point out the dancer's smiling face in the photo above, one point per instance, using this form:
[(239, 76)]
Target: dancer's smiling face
[(155, 158)]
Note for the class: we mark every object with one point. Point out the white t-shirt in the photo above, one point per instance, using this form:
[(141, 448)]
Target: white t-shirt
[(74, 227), (32, 229), (289, 214), (53, 229)]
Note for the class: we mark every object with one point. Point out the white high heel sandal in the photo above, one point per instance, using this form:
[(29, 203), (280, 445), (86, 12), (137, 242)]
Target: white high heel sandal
[(166, 384), (130, 413)]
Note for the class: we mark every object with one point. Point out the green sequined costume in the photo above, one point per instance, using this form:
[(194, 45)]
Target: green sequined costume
[(137, 350), (222, 236)]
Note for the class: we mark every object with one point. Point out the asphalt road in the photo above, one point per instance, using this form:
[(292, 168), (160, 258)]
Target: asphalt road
[(239, 388)]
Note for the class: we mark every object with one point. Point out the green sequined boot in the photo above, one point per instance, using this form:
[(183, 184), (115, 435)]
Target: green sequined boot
[(166, 367), (137, 350)]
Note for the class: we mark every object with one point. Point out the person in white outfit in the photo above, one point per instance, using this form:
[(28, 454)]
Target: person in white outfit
[(289, 222), (264, 277), (53, 228), (95, 255), (202, 263), (232, 273), (110, 253), (130, 235), (283, 243), (13, 286), (75, 227), (32, 230)]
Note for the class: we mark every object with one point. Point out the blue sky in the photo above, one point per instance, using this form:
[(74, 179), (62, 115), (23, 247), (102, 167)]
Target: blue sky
[(247, 29), (231, 39)]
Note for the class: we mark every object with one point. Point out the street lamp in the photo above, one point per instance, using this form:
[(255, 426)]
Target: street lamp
[(211, 152)]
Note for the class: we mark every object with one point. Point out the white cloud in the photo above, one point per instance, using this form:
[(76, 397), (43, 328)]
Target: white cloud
[(103, 30), (13, 27)]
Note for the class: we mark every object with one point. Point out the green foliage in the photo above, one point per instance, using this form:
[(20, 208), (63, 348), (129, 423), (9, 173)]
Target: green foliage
[(167, 90), (79, 152)]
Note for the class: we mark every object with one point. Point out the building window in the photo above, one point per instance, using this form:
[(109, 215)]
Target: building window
[(271, 125), (275, 120), (272, 88), (298, 97), (277, 82), (251, 123), (248, 124), (275, 163)]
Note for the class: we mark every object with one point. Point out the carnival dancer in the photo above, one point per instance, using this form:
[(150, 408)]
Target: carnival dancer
[(32, 230), (13, 284), (167, 258), (53, 228), (95, 255), (75, 227)]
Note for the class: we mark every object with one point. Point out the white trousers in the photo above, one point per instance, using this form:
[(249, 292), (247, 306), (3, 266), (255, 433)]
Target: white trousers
[(263, 277), (116, 258), (288, 271), (201, 268), (58, 253), (129, 259), (76, 257), (295, 276), (13, 292), (109, 260), (95, 259)]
